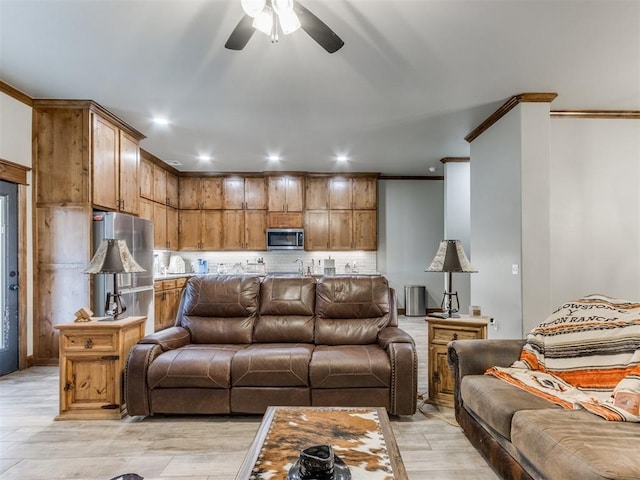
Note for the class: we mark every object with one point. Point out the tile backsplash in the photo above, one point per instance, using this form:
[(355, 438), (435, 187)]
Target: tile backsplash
[(281, 261)]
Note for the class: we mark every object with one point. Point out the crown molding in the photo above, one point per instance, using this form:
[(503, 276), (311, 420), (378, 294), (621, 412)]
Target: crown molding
[(15, 93), (455, 160), (539, 97), (621, 114)]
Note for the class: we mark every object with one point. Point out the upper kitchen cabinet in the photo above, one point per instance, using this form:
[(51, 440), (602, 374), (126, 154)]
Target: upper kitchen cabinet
[(84, 155), (115, 160), (172, 190), (201, 193), (316, 193), (286, 201), (353, 193), (244, 193), (158, 181), (286, 193)]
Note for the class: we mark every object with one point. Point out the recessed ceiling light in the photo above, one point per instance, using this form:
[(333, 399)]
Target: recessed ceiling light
[(432, 169), (174, 163), (161, 121), (204, 158), (342, 158), (274, 158)]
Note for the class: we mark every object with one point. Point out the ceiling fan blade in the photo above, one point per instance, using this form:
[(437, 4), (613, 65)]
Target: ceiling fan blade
[(241, 34), (317, 29)]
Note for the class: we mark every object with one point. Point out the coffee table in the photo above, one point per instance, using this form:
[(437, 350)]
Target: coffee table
[(361, 437)]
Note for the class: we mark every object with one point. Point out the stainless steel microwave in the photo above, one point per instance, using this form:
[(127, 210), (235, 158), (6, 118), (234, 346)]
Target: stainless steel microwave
[(285, 239)]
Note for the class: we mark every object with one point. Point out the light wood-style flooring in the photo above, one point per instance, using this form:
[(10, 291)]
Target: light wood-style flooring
[(35, 447)]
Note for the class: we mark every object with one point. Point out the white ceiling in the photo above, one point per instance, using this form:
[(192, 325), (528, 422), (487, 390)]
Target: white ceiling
[(413, 78)]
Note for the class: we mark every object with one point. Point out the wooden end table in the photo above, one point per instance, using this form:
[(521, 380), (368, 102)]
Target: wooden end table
[(92, 359), (285, 431), (441, 332)]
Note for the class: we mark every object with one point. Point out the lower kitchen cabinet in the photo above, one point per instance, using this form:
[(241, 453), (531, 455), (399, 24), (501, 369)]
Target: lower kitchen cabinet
[(92, 359), (166, 301)]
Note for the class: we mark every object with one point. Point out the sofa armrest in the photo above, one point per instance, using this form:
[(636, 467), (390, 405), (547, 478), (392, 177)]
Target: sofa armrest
[(393, 335), (136, 393), (474, 357), (168, 339), (401, 349)]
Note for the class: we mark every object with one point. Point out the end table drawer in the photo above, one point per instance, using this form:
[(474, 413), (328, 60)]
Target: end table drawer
[(75, 342), (446, 335)]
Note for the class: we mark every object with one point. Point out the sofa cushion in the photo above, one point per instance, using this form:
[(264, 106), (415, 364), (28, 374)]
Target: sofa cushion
[(193, 366), (351, 310), (287, 310), (577, 444), (346, 366), (495, 401), (272, 364), (220, 308)]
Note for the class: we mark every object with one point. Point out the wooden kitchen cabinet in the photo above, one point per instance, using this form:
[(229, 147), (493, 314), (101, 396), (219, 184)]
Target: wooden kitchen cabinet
[(172, 228), (92, 359), (79, 157), (441, 331), (201, 193), (340, 230), (200, 230), (365, 230), (285, 193), (244, 193), (316, 193), (244, 230), (159, 184), (353, 193), (115, 167), (159, 226), (166, 301), (316, 230), (146, 210), (146, 178), (172, 190)]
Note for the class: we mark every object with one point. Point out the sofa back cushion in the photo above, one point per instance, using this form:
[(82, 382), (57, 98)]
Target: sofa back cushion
[(287, 310), (220, 308), (351, 310)]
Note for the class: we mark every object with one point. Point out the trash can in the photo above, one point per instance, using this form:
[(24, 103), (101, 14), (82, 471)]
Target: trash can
[(414, 300)]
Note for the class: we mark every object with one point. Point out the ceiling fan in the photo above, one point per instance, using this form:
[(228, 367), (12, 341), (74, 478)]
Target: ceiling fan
[(271, 16)]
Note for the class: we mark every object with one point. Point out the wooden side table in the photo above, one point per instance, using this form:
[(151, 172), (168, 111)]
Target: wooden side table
[(92, 360), (441, 332)]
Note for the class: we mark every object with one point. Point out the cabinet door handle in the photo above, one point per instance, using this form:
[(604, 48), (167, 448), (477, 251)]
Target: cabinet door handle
[(68, 386), (89, 344), (436, 377), (454, 337)]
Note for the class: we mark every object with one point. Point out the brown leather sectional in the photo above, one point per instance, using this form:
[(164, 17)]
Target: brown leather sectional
[(241, 343)]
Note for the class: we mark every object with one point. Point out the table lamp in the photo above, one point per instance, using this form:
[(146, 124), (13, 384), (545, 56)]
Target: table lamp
[(114, 257), (450, 258)]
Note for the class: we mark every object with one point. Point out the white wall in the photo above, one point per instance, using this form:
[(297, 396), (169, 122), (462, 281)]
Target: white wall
[(496, 220), (410, 228), (15, 146), (457, 222), (595, 208)]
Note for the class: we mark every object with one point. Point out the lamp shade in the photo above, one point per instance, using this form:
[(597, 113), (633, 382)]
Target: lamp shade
[(113, 256), (450, 257)]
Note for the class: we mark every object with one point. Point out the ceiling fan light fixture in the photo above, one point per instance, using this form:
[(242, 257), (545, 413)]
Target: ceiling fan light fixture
[(289, 21), (264, 21), (253, 7)]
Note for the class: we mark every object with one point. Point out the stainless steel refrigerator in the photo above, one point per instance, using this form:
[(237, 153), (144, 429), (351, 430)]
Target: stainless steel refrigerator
[(136, 288)]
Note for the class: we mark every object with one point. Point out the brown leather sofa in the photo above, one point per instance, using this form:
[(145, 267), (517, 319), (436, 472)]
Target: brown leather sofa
[(242, 343)]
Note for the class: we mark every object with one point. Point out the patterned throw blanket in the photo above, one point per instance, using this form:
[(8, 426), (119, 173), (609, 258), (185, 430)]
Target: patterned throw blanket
[(585, 355)]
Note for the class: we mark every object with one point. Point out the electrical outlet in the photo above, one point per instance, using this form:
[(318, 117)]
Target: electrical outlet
[(515, 269)]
